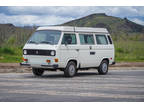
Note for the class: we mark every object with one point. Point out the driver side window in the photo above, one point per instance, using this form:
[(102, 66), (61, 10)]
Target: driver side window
[(69, 39)]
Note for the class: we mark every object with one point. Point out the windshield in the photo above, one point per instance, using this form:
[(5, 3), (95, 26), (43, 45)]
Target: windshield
[(45, 37)]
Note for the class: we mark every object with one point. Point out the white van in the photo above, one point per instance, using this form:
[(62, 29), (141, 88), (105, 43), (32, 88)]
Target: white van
[(68, 49)]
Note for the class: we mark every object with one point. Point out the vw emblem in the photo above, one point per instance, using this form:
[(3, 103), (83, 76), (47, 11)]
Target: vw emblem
[(36, 52)]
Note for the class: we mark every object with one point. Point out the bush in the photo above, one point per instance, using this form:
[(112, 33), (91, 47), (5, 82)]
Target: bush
[(6, 50), (119, 50)]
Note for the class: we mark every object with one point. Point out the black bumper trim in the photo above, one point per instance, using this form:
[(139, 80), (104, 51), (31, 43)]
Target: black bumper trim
[(55, 66), (113, 63), (22, 64)]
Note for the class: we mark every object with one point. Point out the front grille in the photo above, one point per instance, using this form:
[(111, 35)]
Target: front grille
[(38, 52)]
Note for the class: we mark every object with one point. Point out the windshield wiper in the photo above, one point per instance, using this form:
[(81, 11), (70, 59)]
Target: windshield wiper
[(46, 42), (32, 42)]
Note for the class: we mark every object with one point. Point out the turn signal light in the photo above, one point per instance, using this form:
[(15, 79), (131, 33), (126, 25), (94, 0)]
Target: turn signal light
[(24, 59), (56, 60), (48, 61)]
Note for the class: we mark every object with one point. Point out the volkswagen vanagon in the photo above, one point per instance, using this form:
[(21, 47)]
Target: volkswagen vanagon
[(69, 49)]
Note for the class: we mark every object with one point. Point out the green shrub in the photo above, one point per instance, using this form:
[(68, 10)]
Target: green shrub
[(119, 50), (6, 50)]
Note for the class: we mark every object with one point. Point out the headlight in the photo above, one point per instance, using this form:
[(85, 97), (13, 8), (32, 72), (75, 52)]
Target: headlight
[(25, 51), (52, 53)]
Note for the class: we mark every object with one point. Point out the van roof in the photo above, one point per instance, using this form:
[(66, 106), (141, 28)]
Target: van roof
[(74, 29)]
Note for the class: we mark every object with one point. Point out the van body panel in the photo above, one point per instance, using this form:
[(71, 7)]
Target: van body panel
[(71, 51)]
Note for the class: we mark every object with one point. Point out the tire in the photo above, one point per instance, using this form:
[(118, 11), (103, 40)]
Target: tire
[(37, 71), (70, 69), (103, 68)]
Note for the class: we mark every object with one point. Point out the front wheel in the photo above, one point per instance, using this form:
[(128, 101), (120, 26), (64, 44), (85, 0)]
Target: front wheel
[(103, 68), (37, 71), (70, 69)]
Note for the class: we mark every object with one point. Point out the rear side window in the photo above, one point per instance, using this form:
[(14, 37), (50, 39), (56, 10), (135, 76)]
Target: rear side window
[(69, 39), (86, 39), (110, 40), (101, 40)]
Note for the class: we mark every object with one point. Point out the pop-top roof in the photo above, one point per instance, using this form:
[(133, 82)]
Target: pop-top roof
[(74, 29)]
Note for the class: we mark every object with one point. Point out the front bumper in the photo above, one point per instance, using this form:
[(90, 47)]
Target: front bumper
[(54, 66)]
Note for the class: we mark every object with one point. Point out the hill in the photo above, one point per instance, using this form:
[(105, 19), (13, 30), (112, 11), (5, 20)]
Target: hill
[(116, 26), (10, 34)]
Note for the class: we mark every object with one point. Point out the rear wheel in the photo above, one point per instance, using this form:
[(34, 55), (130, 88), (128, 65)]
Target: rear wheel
[(103, 68), (70, 69), (37, 71)]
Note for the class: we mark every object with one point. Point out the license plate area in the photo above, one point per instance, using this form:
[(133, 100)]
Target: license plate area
[(38, 60)]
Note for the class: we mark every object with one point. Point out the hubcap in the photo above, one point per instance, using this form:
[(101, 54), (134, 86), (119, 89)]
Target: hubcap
[(71, 70), (104, 67)]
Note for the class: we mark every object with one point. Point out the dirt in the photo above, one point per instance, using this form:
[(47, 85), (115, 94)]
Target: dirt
[(129, 64), (15, 67)]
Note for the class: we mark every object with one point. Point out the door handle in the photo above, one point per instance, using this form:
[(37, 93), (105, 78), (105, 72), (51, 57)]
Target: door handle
[(77, 49), (92, 53)]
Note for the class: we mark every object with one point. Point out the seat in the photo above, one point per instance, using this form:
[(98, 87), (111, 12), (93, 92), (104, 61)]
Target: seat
[(68, 39)]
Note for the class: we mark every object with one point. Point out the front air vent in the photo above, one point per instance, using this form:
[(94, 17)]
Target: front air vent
[(38, 52)]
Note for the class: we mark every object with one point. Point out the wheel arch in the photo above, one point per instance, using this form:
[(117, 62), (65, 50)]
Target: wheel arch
[(105, 59), (74, 60)]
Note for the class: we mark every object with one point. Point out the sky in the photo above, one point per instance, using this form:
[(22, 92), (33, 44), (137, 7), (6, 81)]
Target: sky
[(52, 15)]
